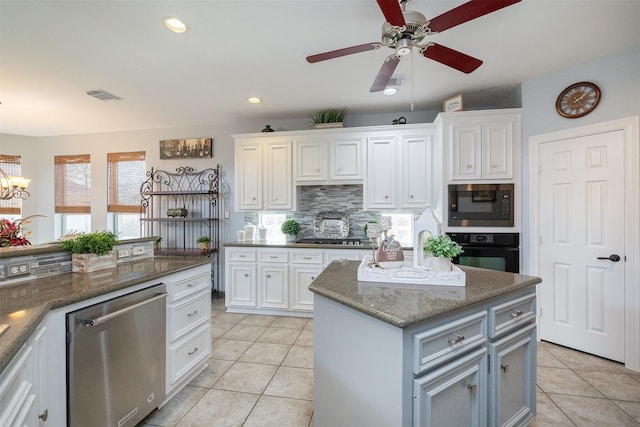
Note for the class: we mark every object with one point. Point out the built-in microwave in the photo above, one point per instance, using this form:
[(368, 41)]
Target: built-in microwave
[(481, 205)]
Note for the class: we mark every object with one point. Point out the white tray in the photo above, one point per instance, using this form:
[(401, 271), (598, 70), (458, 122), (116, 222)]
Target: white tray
[(406, 274)]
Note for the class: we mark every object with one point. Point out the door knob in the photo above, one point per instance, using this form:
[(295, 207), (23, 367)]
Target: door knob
[(613, 257)]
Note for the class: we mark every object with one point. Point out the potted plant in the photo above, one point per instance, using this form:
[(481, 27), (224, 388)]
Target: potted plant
[(442, 249), (158, 243), (329, 118), (290, 228), (91, 251), (204, 243)]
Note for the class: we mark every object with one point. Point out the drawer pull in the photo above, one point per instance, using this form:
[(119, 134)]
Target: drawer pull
[(516, 313), (192, 352), (193, 313), (242, 256), (459, 338), (473, 388), (307, 257), (273, 256), (43, 416), (505, 368), (191, 285)]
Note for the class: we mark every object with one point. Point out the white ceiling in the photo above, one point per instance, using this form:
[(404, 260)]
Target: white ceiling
[(52, 52)]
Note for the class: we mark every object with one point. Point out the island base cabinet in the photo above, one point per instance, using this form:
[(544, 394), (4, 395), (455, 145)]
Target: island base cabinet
[(454, 395), (513, 371)]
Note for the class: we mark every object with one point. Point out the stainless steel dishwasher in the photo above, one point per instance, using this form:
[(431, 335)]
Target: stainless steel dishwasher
[(116, 359)]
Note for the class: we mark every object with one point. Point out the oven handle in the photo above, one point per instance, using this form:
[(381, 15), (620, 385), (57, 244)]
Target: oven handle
[(106, 317)]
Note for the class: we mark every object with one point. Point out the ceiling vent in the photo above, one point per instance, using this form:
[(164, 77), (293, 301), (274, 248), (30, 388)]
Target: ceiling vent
[(103, 95), (395, 81)]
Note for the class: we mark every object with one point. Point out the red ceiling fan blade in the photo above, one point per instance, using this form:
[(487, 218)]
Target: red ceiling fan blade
[(387, 69), (343, 52), (451, 58), (392, 12), (466, 12)]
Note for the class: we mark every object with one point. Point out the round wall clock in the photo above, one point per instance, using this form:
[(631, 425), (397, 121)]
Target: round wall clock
[(578, 100)]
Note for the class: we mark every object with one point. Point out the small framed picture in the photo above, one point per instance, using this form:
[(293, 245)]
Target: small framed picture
[(191, 148), (452, 104)]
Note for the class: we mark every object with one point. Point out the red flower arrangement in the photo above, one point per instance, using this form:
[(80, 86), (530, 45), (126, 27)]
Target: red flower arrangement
[(11, 233)]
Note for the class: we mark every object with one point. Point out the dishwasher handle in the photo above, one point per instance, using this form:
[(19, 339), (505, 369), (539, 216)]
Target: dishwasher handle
[(106, 317)]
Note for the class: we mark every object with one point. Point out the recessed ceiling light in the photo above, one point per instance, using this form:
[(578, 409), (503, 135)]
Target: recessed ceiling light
[(254, 100), (175, 24), (390, 91)]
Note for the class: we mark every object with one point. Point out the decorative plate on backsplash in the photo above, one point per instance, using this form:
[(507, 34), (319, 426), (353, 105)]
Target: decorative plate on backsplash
[(331, 225)]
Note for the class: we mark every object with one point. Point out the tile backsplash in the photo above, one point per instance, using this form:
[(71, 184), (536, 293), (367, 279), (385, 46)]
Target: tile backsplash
[(319, 198)]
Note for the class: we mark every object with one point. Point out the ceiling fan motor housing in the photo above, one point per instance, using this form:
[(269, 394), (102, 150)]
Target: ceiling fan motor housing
[(416, 29)]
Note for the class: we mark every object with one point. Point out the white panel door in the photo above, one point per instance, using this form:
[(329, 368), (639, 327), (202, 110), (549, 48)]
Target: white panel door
[(582, 195)]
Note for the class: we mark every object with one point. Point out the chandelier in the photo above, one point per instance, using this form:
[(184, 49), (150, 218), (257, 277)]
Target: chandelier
[(13, 187)]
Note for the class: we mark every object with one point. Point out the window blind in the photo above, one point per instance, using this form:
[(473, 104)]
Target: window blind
[(11, 165), (73, 183), (126, 172)]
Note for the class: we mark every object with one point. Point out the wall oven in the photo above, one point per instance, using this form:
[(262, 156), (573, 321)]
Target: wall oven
[(481, 205), (495, 251)]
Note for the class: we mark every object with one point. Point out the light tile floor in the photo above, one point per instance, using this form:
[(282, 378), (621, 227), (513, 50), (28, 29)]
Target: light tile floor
[(261, 374)]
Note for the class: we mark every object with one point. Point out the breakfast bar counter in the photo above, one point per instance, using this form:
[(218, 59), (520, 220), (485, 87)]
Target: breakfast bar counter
[(422, 355), (23, 305)]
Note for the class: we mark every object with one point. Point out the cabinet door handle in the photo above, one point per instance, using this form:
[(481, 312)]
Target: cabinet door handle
[(339, 169), (274, 198), (43, 416), (386, 197), (313, 278), (318, 170), (246, 274), (469, 165), (493, 166), (505, 368), (268, 276), (411, 197), (192, 352), (516, 313), (192, 313), (473, 388), (458, 339)]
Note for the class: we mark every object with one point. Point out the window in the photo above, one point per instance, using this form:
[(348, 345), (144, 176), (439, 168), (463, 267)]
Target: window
[(126, 172), (272, 223), (402, 228), (72, 176), (12, 208)]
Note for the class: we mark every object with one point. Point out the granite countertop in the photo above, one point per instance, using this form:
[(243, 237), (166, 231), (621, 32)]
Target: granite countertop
[(403, 305), (24, 305), (258, 244)]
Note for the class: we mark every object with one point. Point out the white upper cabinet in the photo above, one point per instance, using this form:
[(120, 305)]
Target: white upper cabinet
[(345, 159), (382, 178), (263, 174), (400, 169), (311, 160), (336, 159), (248, 175), (416, 171), (482, 144)]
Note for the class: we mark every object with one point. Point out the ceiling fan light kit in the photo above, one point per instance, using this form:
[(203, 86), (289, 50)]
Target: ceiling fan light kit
[(406, 29)]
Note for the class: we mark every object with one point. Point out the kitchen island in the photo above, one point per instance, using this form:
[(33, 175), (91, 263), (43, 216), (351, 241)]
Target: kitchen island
[(395, 354), (33, 381)]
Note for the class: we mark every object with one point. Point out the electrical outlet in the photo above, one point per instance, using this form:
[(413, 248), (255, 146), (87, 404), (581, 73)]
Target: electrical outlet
[(138, 250), (226, 211), (18, 269), (123, 253)]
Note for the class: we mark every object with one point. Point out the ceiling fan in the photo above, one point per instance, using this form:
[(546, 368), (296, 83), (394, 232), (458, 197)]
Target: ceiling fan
[(405, 29)]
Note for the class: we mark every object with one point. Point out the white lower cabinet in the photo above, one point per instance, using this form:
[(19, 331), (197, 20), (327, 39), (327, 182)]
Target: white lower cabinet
[(276, 280), (23, 384), (188, 326)]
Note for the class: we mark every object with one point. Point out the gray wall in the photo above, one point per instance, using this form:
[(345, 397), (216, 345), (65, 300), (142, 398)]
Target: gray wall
[(618, 77)]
